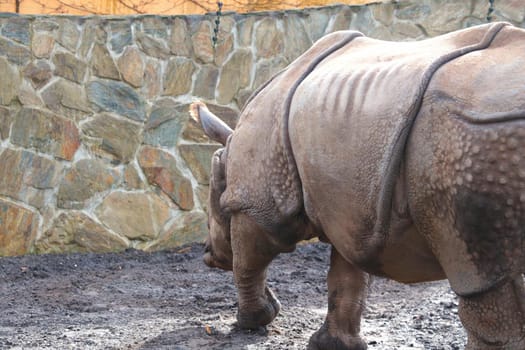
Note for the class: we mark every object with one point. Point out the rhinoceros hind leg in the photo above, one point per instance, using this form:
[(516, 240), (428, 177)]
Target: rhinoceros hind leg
[(322, 340), (347, 290), (495, 319)]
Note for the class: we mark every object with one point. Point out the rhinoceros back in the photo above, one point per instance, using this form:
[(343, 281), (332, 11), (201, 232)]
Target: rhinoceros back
[(350, 120)]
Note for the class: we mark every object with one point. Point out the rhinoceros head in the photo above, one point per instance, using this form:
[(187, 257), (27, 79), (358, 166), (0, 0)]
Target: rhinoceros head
[(218, 251)]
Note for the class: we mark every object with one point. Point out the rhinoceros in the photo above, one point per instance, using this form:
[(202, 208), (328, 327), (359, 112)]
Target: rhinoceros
[(407, 157)]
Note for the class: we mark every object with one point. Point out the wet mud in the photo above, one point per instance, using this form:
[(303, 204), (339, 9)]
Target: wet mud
[(171, 300)]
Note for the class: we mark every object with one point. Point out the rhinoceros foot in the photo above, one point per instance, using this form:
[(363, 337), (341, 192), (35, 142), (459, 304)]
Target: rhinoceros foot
[(323, 340), (260, 315)]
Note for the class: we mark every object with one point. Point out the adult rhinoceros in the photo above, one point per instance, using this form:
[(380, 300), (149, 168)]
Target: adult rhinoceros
[(408, 157)]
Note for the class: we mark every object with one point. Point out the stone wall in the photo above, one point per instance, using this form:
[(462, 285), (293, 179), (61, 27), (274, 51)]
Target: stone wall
[(97, 151)]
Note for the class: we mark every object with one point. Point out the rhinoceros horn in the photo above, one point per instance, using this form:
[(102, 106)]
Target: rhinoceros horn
[(215, 128)]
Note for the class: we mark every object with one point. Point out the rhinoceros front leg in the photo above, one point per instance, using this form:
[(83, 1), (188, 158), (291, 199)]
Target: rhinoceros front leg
[(495, 319), (252, 253), (347, 291)]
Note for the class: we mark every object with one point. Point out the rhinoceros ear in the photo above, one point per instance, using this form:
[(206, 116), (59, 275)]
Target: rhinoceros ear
[(215, 128), (217, 186)]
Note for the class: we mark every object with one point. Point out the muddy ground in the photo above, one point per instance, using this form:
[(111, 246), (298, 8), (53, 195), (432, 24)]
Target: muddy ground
[(171, 300)]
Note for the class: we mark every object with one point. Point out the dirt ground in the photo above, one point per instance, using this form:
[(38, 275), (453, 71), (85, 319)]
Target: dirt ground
[(171, 300)]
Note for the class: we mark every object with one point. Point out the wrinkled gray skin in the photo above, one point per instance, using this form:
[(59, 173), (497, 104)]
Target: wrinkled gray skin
[(409, 158)]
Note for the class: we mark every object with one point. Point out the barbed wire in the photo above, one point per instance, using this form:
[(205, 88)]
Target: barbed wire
[(217, 23), (490, 10), (172, 6), (161, 6)]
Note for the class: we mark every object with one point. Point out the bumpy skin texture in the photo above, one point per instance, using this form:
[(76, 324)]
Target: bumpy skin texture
[(501, 310), (406, 157), (470, 196)]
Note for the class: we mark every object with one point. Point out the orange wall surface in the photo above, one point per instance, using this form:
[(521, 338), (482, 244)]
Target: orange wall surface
[(127, 7)]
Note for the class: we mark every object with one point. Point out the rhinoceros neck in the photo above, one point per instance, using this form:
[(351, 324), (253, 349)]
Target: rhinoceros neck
[(293, 206), (263, 131)]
